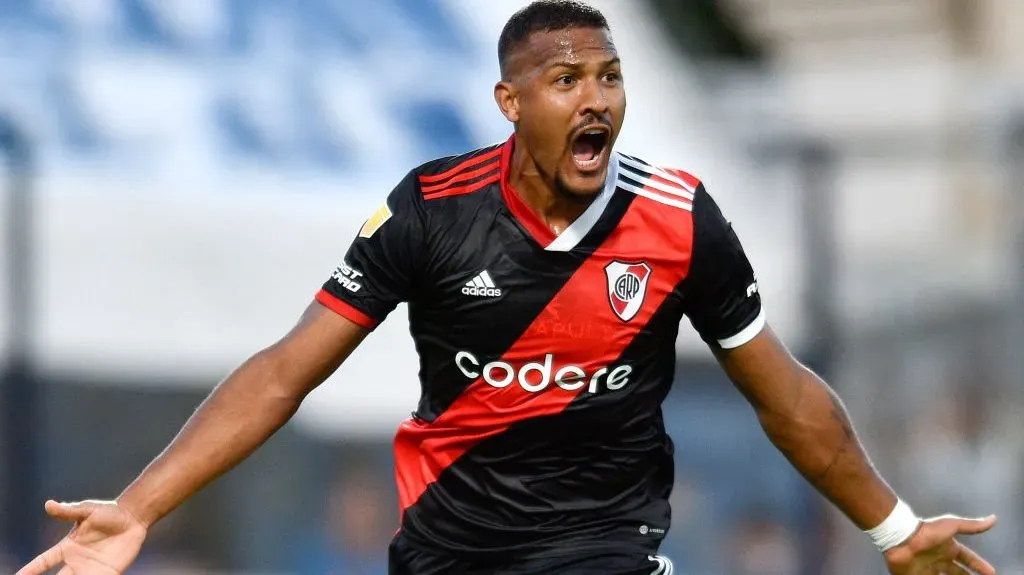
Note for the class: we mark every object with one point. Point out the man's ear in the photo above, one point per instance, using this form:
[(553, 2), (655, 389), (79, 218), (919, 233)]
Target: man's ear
[(507, 97)]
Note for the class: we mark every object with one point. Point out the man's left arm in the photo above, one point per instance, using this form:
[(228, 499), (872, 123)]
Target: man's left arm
[(805, 419), (801, 414)]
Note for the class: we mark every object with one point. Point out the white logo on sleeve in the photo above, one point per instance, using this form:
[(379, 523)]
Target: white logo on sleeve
[(752, 289), (644, 530), (481, 286), (348, 277)]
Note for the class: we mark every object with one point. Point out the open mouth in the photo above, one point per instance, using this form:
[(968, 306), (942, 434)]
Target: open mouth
[(588, 148)]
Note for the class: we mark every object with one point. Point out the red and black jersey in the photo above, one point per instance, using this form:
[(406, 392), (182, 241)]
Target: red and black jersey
[(544, 360)]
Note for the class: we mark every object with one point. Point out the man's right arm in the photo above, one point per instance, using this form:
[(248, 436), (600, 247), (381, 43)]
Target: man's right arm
[(379, 271), (243, 411)]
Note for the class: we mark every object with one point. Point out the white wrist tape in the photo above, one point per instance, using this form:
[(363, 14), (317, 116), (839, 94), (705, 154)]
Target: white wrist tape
[(896, 529)]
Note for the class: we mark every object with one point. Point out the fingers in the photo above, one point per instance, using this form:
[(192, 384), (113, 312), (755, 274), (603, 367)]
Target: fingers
[(975, 526), (70, 571), (953, 569), (53, 557), (73, 512), (965, 525), (971, 559)]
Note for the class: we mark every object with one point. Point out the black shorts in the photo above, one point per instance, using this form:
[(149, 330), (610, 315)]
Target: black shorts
[(406, 560)]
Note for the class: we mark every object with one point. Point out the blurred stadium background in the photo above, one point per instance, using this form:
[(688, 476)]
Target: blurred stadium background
[(180, 177)]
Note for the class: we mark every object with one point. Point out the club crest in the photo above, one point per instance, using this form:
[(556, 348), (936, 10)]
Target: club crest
[(627, 287)]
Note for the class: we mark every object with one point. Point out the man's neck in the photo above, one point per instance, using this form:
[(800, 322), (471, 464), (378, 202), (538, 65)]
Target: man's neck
[(556, 210)]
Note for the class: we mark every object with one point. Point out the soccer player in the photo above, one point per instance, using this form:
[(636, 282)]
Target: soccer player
[(546, 279)]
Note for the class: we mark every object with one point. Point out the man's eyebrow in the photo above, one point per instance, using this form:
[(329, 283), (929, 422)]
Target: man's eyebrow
[(578, 65)]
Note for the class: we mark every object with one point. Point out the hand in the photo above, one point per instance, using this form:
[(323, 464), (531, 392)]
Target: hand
[(105, 540), (933, 549)]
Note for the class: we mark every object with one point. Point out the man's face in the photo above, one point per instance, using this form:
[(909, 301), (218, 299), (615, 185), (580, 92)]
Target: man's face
[(568, 104)]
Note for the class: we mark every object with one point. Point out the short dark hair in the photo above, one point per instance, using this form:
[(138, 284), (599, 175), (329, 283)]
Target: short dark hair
[(545, 16)]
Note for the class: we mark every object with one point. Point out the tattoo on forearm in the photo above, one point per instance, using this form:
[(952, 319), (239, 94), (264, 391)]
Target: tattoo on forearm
[(837, 414)]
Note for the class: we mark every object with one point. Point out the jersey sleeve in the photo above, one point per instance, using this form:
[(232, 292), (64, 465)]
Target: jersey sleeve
[(722, 299), (382, 263)]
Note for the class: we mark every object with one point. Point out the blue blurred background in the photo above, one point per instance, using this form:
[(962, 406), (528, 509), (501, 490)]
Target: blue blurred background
[(180, 177)]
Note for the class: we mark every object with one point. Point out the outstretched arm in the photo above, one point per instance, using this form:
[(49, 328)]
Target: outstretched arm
[(379, 271), (807, 422), (256, 400), (237, 417)]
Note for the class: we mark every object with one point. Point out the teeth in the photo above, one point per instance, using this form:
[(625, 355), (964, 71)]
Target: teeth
[(593, 132)]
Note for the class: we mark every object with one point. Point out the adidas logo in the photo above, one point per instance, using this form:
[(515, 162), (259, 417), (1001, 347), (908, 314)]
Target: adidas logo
[(481, 286)]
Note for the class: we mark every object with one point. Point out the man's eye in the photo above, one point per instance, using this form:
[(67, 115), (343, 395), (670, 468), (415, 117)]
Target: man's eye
[(564, 80)]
